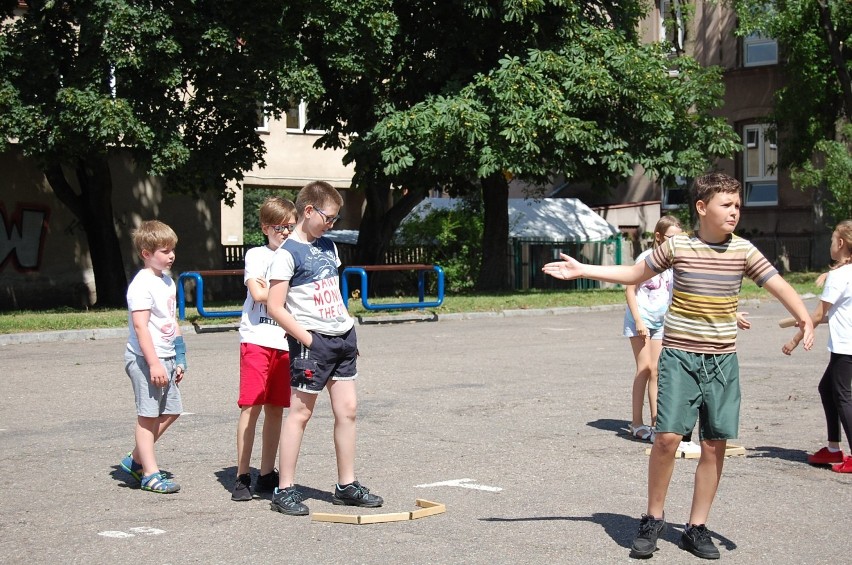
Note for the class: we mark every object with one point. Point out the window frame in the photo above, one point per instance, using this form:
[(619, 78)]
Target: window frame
[(302, 109), (262, 119), (681, 185), (666, 7), (768, 176), (756, 39)]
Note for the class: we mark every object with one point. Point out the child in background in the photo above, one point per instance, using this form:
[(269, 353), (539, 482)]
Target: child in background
[(155, 358), (647, 304), (835, 387), (264, 357)]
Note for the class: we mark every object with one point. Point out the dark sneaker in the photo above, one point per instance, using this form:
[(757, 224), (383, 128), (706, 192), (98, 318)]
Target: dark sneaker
[(267, 482), (288, 501), (696, 540), (242, 488), (354, 494), (645, 543)]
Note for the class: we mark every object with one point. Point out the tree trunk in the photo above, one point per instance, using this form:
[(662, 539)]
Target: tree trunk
[(380, 222), (835, 50), (93, 208), (494, 273)]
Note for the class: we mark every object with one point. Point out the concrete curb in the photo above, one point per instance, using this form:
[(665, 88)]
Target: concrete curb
[(69, 335), (114, 333)]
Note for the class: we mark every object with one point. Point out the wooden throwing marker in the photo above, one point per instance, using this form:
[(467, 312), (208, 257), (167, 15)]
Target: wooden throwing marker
[(730, 450), (427, 508)]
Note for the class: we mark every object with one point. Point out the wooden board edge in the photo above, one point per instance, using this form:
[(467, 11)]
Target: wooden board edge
[(380, 518), (338, 518)]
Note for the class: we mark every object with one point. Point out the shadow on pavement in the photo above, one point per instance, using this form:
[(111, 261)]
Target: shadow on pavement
[(768, 451), (123, 477), (619, 527), (227, 475)]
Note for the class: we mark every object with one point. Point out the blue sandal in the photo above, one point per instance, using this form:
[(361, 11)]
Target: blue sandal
[(131, 466), (134, 469), (155, 482)]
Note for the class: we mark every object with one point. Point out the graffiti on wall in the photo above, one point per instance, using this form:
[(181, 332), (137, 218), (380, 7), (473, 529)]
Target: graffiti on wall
[(22, 236)]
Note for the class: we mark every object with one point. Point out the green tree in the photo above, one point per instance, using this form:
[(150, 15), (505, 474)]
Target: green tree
[(175, 85), (812, 111), (589, 111), (831, 168), (474, 90)]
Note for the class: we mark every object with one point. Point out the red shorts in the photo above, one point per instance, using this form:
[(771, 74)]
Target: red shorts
[(264, 376)]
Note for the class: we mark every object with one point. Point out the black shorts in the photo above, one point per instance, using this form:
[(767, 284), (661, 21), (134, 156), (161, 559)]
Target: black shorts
[(329, 357)]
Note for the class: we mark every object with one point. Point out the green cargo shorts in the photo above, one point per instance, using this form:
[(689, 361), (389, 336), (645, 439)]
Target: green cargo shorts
[(693, 385)]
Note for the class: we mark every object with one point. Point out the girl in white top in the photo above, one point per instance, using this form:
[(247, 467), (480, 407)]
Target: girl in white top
[(835, 387), (647, 304)]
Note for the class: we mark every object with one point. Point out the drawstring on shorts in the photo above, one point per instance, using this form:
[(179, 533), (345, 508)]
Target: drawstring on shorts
[(720, 374)]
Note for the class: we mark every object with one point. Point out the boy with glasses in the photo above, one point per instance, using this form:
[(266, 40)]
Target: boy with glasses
[(305, 299), (264, 356)]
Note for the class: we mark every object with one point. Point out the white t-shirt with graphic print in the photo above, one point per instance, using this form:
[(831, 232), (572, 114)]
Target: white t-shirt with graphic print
[(148, 291), (314, 297)]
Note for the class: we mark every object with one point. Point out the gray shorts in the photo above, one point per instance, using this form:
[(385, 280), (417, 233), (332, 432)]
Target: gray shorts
[(152, 401), (331, 357)]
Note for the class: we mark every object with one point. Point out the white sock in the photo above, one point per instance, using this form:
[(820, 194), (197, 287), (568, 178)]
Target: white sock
[(833, 449)]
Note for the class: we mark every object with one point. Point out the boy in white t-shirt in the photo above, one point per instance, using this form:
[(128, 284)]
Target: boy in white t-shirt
[(264, 356), (155, 358)]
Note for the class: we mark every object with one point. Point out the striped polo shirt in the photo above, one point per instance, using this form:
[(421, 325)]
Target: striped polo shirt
[(707, 281)]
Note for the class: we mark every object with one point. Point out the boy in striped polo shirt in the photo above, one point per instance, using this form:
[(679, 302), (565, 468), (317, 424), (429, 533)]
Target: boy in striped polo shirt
[(698, 371)]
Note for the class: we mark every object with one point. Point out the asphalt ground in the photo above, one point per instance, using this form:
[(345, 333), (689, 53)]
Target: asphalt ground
[(519, 415)]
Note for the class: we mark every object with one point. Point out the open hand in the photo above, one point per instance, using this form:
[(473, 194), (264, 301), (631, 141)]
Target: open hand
[(567, 269)]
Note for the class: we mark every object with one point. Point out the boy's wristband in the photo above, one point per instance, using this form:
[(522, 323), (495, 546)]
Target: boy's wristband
[(180, 352)]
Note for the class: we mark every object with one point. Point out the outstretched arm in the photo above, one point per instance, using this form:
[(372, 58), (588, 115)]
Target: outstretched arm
[(569, 268)]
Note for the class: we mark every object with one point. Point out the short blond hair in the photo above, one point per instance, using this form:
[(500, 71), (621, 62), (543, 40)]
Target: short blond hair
[(317, 194), (152, 235), (275, 210)]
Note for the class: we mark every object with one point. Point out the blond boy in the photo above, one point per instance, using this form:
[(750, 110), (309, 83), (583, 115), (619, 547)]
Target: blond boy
[(155, 358)]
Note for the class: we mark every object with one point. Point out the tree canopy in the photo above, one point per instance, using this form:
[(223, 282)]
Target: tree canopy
[(473, 92), (175, 85), (813, 111)]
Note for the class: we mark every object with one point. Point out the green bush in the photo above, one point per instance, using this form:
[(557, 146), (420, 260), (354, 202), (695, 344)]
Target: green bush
[(454, 239)]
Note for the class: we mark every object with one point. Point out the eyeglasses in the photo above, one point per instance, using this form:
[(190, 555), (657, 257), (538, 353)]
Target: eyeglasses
[(282, 227), (328, 220)]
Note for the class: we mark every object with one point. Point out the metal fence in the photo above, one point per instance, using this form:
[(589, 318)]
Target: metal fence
[(527, 257)]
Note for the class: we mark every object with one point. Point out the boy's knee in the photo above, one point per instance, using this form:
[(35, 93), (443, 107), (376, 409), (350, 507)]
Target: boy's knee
[(667, 441)]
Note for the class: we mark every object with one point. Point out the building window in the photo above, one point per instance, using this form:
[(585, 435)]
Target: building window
[(297, 119), (262, 124), (759, 50), (675, 194), (760, 166), (671, 30)]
